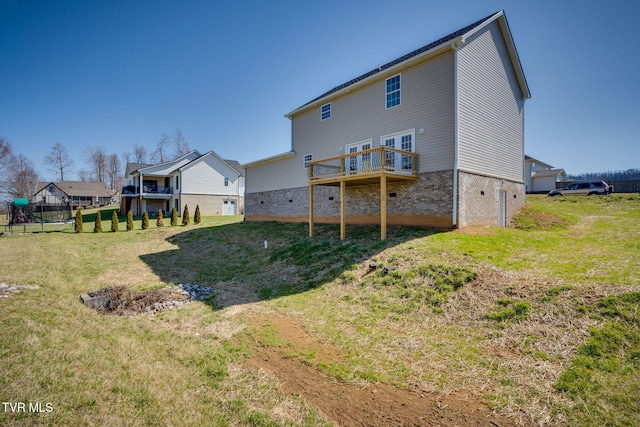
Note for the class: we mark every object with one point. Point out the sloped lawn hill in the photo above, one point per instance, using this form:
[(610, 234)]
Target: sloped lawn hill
[(539, 321)]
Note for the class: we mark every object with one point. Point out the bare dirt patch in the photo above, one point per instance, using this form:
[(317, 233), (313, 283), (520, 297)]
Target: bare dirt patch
[(368, 405)]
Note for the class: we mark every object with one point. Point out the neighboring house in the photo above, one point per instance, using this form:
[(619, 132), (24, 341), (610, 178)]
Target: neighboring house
[(76, 193), (207, 180), (540, 177), (434, 138)]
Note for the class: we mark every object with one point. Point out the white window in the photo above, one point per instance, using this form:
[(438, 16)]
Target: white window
[(393, 91), (325, 111), (307, 159), (226, 182)]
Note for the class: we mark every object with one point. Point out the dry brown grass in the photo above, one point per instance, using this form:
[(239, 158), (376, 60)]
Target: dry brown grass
[(514, 365)]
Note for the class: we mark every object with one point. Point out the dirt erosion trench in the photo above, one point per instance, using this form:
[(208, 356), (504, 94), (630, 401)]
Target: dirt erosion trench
[(374, 405)]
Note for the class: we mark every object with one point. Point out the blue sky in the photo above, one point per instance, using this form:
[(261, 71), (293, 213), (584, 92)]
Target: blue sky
[(119, 73)]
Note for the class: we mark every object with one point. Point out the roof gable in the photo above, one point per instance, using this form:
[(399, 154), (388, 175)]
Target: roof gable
[(443, 42), (549, 172), (210, 154), (79, 188), (167, 168)]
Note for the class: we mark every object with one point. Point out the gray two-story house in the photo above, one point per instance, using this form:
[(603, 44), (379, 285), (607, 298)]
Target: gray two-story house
[(434, 138)]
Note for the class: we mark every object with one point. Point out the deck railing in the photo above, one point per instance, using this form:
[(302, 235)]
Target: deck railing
[(373, 161)]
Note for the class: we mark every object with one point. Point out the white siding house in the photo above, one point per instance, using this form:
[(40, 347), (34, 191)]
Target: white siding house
[(433, 138), (207, 180), (540, 177)]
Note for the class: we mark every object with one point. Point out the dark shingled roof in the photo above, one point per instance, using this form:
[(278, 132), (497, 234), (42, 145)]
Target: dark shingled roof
[(79, 188), (236, 165), (416, 52), (131, 167)]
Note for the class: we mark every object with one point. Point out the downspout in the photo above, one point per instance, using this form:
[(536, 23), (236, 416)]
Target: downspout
[(455, 46)]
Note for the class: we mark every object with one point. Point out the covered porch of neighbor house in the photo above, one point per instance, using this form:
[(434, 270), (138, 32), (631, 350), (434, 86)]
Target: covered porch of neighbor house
[(366, 167)]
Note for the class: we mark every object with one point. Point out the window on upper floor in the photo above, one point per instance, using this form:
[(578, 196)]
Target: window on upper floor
[(307, 159), (393, 91), (325, 111), (226, 182)]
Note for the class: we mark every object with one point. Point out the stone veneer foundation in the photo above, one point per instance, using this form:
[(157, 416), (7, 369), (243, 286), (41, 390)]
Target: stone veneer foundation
[(479, 199), (425, 202)]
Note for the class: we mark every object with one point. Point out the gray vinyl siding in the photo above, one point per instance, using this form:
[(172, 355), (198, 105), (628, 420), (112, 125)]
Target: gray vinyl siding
[(491, 108), (427, 102), (275, 175)]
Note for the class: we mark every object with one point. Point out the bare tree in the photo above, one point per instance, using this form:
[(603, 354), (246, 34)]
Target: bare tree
[(181, 144), (160, 154), (6, 154), (114, 172), (59, 161), (6, 159), (23, 178), (85, 175), (140, 153), (126, 157), (96, 160)]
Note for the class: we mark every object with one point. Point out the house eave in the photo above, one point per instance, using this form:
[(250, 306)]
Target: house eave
[(269, 159), (455, 42), (436, 50), (513, 53)]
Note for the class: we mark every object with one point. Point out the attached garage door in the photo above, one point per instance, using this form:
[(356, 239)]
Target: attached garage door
[(229, 207)]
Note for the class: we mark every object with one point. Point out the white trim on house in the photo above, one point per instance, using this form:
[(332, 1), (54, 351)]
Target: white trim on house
[(456, 120), (269, 159)]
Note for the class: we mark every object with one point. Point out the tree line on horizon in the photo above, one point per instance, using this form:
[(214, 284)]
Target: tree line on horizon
[(19, 177), (620, 175)]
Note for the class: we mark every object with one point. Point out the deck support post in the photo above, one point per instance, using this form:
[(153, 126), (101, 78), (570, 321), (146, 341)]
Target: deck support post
[(383, 207), (342, 210), (310, 210)]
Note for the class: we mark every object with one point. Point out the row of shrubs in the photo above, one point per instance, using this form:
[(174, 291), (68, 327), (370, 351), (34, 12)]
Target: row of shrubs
[(115, 220)]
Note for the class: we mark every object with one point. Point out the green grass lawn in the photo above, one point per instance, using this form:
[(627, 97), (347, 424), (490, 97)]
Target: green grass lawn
[(539, 321)]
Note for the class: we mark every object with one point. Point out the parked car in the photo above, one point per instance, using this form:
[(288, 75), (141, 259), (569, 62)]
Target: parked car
[(582, 189)]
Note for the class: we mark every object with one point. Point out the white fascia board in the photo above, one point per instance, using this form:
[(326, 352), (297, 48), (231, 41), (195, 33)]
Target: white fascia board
[(269, 159), (513, 53)]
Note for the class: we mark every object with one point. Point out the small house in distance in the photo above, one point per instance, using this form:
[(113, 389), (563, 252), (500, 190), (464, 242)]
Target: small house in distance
[(433, 138), (206, 180), (76, 193), (540, 177)]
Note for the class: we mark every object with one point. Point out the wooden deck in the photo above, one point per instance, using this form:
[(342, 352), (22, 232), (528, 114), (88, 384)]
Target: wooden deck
[(366, 167)]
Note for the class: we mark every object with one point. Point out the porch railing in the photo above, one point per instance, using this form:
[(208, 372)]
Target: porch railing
[(373, 161), (133, 190)]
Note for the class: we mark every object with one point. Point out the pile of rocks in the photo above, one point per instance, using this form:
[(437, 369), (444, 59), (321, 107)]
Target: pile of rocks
[(124, 301), (180, 295), (7, 289)]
